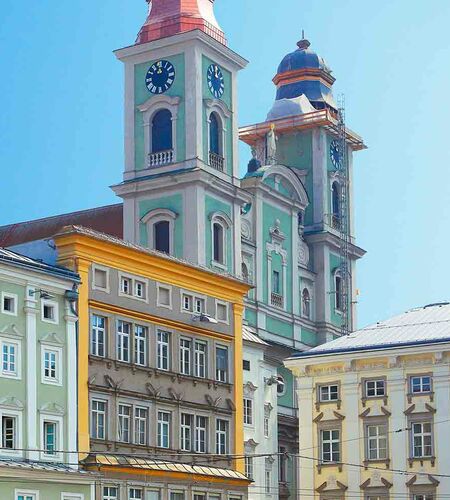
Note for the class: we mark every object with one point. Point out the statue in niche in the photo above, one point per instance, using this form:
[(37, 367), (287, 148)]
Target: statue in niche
[(271, 145)]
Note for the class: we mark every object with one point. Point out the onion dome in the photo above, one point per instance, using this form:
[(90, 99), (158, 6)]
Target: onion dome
[(169, 17), (303, 72)]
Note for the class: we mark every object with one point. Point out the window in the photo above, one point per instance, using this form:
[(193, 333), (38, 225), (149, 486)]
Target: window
[(26, 495), (125, 286), (336, 205), (248, 411), (163, 352), (266, 423), (338, 292), (222, 437), (50, 437), (328, 393), (201, 434), (282, 464), (377, 442), (140, 345), (98, 419), (135, 494), (218, 243), (375, 388), (245, 273), (9, 304), (267, 476), (139, 289), (276, 282), (100, 279), (422, 439), (306, 304), (222, 364), (422, 496), (281, 386), (140, 426), (49, 311), (51, 369), (187, 303), (214, 134), (330, 445), (10, 358), (199, 305), (9, 432), (123, 341), (161, 236), (222, 312), (200, 359), (186, 432), (185, 356), (123, 429), (164, 296), (249, 467), (176, 495), (246, 365), (98, 329), (110, 493), (164, 419), (420, 384), (162, 131)]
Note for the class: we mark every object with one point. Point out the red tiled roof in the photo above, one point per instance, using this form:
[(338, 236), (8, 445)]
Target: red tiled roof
[(108, 219)]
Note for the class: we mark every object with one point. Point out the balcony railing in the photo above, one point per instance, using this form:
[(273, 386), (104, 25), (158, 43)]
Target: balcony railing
[(160, 158), (216, 161), (276, 300)]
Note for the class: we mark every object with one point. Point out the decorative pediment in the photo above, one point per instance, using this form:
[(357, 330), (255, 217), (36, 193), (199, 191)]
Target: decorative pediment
[(52, 338), (268, 407), (219, 106), (250, 443), (113, 384), (249, 387), (11, 331), (52, 408), (331, 484), (156, 393), (12, 403), (422, 480), (376, 481), (177, 396), (277, 235), (214, 402)]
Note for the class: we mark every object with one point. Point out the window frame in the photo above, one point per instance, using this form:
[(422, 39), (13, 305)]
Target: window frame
[(17, 343), (123, 417), (97, 329), (16, 451), (187, 441), (55, 307), (160, 344), (197, 434), (224, 304), (423, 420), (224, 224), (420, 376), (222, 445), (120, 336), (11, 296), (140, 341), (225, 379), (198, 354), (161, 424), (105, 419), (322, 441), (97, 267), (248, 411), (374, 380), (328, 385), (132, 280), (136, 428), (59, 437), (59, 369), (368, 439), (34, 494), (109, 496), (168, 288), (185, 355)]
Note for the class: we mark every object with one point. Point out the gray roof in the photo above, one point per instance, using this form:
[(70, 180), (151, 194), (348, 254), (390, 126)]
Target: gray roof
[(249, 336), (15, 259), (419, 326), (40, 466)]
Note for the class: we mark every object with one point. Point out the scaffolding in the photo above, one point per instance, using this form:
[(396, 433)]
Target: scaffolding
[(344, 226)]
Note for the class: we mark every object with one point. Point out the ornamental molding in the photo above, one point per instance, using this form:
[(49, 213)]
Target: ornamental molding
[(251, 443), (159, 102), (51, 338), (303, 253), (219, 106), (331, 484), (52, 408), (10, 331), (159, 212), (213, 402), (250, 388), (11, 402), (246, 229)]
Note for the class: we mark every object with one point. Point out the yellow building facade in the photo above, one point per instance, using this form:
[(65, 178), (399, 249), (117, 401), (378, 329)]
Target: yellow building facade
[(374, 411)]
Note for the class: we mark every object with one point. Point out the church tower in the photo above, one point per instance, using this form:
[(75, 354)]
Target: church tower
[(180, 186)]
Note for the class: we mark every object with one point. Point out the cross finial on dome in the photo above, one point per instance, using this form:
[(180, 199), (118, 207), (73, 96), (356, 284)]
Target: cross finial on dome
[(303, 44)]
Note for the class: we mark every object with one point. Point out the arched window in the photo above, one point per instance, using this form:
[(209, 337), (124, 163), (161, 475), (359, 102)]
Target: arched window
[(306, 304), (162, 131), (161, 236), (338, 304), (214, 131), (218, 243), (336, 205)]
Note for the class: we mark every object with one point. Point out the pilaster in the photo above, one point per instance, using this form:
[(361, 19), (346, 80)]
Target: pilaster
[(238, 311), (71, 361)]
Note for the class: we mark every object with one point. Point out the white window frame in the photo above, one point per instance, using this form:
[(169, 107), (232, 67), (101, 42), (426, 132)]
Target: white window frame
[(328, 398), (225, 222), (72, 496), (142, 287), (248, 411), (160, 345), (187, 432), (160, 215), (331, 441), (218, 377), (120, 336), (168, 288), (198, 431), (96, 329), (96, 267), (223, 114), (185, 355), (137, 421), (97, 412), (109, 497), (377, 439), (135, 488), (58, 380), (194, 300), (140, 345), (226, 321), (164, 424), (225, 434), (132, 286), (59, 445), (15, 298), (18, 415), (422, 436), (198, 355), (55, 305), (123, 418), (421, 384), (30, 493), (375, 382), (17, 374)]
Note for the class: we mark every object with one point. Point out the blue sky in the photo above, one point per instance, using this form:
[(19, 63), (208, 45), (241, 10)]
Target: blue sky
[(61, 117)]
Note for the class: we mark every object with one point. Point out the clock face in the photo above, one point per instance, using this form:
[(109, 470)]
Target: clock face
[(160, 77), (216, 83), (335, 154)]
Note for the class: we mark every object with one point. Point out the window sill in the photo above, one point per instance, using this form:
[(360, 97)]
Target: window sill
[(47, 381), (337, 402), (368, 463), (11, 376), (412, 395), (220, 265), (328, 465), (366, 399), (422, 460)]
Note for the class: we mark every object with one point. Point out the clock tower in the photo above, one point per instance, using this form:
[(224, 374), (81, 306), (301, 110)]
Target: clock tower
[(180, 186)]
